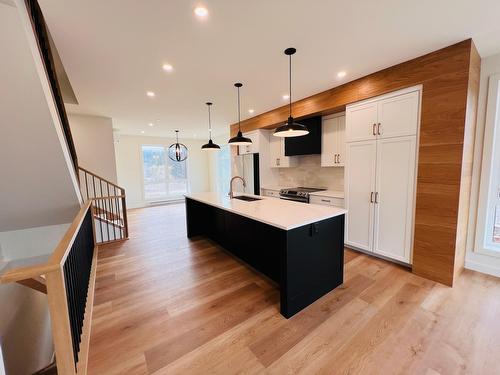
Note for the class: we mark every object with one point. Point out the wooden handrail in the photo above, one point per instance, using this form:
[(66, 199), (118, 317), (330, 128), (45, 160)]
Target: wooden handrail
[(108, 199), (55, 260), (60, 253), (69, 279), (101, 178)]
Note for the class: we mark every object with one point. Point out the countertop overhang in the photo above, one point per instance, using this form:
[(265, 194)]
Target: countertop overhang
[(279, 213)]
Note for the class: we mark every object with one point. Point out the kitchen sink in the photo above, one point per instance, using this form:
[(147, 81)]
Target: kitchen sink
[(247, 198)]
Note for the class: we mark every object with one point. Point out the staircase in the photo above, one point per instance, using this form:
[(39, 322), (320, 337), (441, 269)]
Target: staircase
[(109, 207)]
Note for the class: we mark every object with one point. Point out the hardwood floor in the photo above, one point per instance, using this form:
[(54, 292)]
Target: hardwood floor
[(168, 305)]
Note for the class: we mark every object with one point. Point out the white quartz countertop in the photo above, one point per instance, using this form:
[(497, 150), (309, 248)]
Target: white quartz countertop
[(329, 193), (276, 212)]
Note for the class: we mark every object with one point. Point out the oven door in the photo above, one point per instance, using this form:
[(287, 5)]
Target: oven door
[(294, 198)]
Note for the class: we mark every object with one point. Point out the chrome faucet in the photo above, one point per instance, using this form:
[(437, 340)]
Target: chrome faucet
[(231, 195)]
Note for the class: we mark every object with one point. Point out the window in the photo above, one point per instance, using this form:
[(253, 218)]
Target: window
[(223, 169), (163, 178), (488, 223)]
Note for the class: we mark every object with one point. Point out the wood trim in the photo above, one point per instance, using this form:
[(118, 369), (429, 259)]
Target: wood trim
[(23, 273), (61, 331), (102, 179), (409, 73), (108, 197), (61, 251), (35, 283), (446, 132), (83, 355), (110, 222)]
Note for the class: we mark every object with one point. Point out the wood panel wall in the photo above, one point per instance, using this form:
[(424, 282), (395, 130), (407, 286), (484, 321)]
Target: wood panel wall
[(450, 79)]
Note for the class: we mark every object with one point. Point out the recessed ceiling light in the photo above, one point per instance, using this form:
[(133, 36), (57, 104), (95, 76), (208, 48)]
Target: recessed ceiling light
[(167, 67), (151, 124), (151, 94), (341, 74), (142, 132), (201, 11), (251, 111), (286, 97)]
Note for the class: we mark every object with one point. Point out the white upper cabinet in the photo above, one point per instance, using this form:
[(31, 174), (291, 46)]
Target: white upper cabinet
[(333, 141), (361, 122), (398, 116), (254, 147), (277, 153), (392, 115)]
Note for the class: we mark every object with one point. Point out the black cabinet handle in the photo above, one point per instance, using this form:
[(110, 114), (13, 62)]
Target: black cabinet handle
[(326, 200), (373, 129), (371, 197)]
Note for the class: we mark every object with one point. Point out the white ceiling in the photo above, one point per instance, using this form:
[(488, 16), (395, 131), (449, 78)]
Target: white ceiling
[(113, 51)]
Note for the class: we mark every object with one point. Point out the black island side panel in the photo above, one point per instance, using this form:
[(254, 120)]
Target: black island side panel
[(313, 264)]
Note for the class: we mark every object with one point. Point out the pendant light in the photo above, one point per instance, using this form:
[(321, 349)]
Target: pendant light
[(177, 151), (239, 140), (290, 128), (210, 146)]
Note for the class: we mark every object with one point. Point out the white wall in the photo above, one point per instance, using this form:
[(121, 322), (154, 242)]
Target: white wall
[(24, 316), (474, 260), (95, 148), (37, 185), (24, 329), (30, 242), (129, 167)]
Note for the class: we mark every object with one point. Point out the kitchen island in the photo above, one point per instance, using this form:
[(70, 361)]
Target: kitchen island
[(299, 246)]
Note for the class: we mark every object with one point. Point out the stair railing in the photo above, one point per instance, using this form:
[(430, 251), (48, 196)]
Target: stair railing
[(69, 275), (109, 206)]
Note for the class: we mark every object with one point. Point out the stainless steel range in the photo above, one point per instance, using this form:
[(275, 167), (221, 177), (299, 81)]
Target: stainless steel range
[(298, 194)]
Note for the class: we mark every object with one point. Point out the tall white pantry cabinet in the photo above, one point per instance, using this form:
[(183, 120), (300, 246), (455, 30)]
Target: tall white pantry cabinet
[(381, 139)]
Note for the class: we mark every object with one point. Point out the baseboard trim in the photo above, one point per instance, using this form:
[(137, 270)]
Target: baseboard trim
[(479, 267)]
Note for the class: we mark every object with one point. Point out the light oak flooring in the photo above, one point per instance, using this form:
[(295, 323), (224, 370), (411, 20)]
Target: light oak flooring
[(168, 305)]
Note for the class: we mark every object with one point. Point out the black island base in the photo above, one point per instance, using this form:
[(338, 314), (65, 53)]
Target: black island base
[(307, 262)]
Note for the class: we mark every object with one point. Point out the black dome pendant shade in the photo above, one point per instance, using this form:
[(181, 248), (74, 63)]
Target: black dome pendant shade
[(177, 151), (239, 140), (210, 146), (290, 128)]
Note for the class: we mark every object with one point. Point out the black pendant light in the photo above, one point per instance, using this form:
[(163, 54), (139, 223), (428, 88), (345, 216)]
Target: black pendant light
[(239, 140), (210, 146), (177, 151), (291, 128)]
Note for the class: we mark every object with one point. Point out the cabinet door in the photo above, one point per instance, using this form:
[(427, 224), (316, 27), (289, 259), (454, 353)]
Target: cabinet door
[(340, 145), (361, 121), (275, 151), (278, 158), (398, 116), (395, 196), (254, 147), (360, 184), (329, 142)]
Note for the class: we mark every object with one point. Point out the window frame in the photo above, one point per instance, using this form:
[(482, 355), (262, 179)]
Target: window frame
[(168, 197), (488, 182)]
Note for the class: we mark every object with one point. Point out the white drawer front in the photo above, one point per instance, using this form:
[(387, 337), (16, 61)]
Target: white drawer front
[(326, 201)]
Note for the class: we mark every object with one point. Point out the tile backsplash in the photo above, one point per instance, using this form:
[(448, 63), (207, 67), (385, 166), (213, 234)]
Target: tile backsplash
[(309, 173)]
